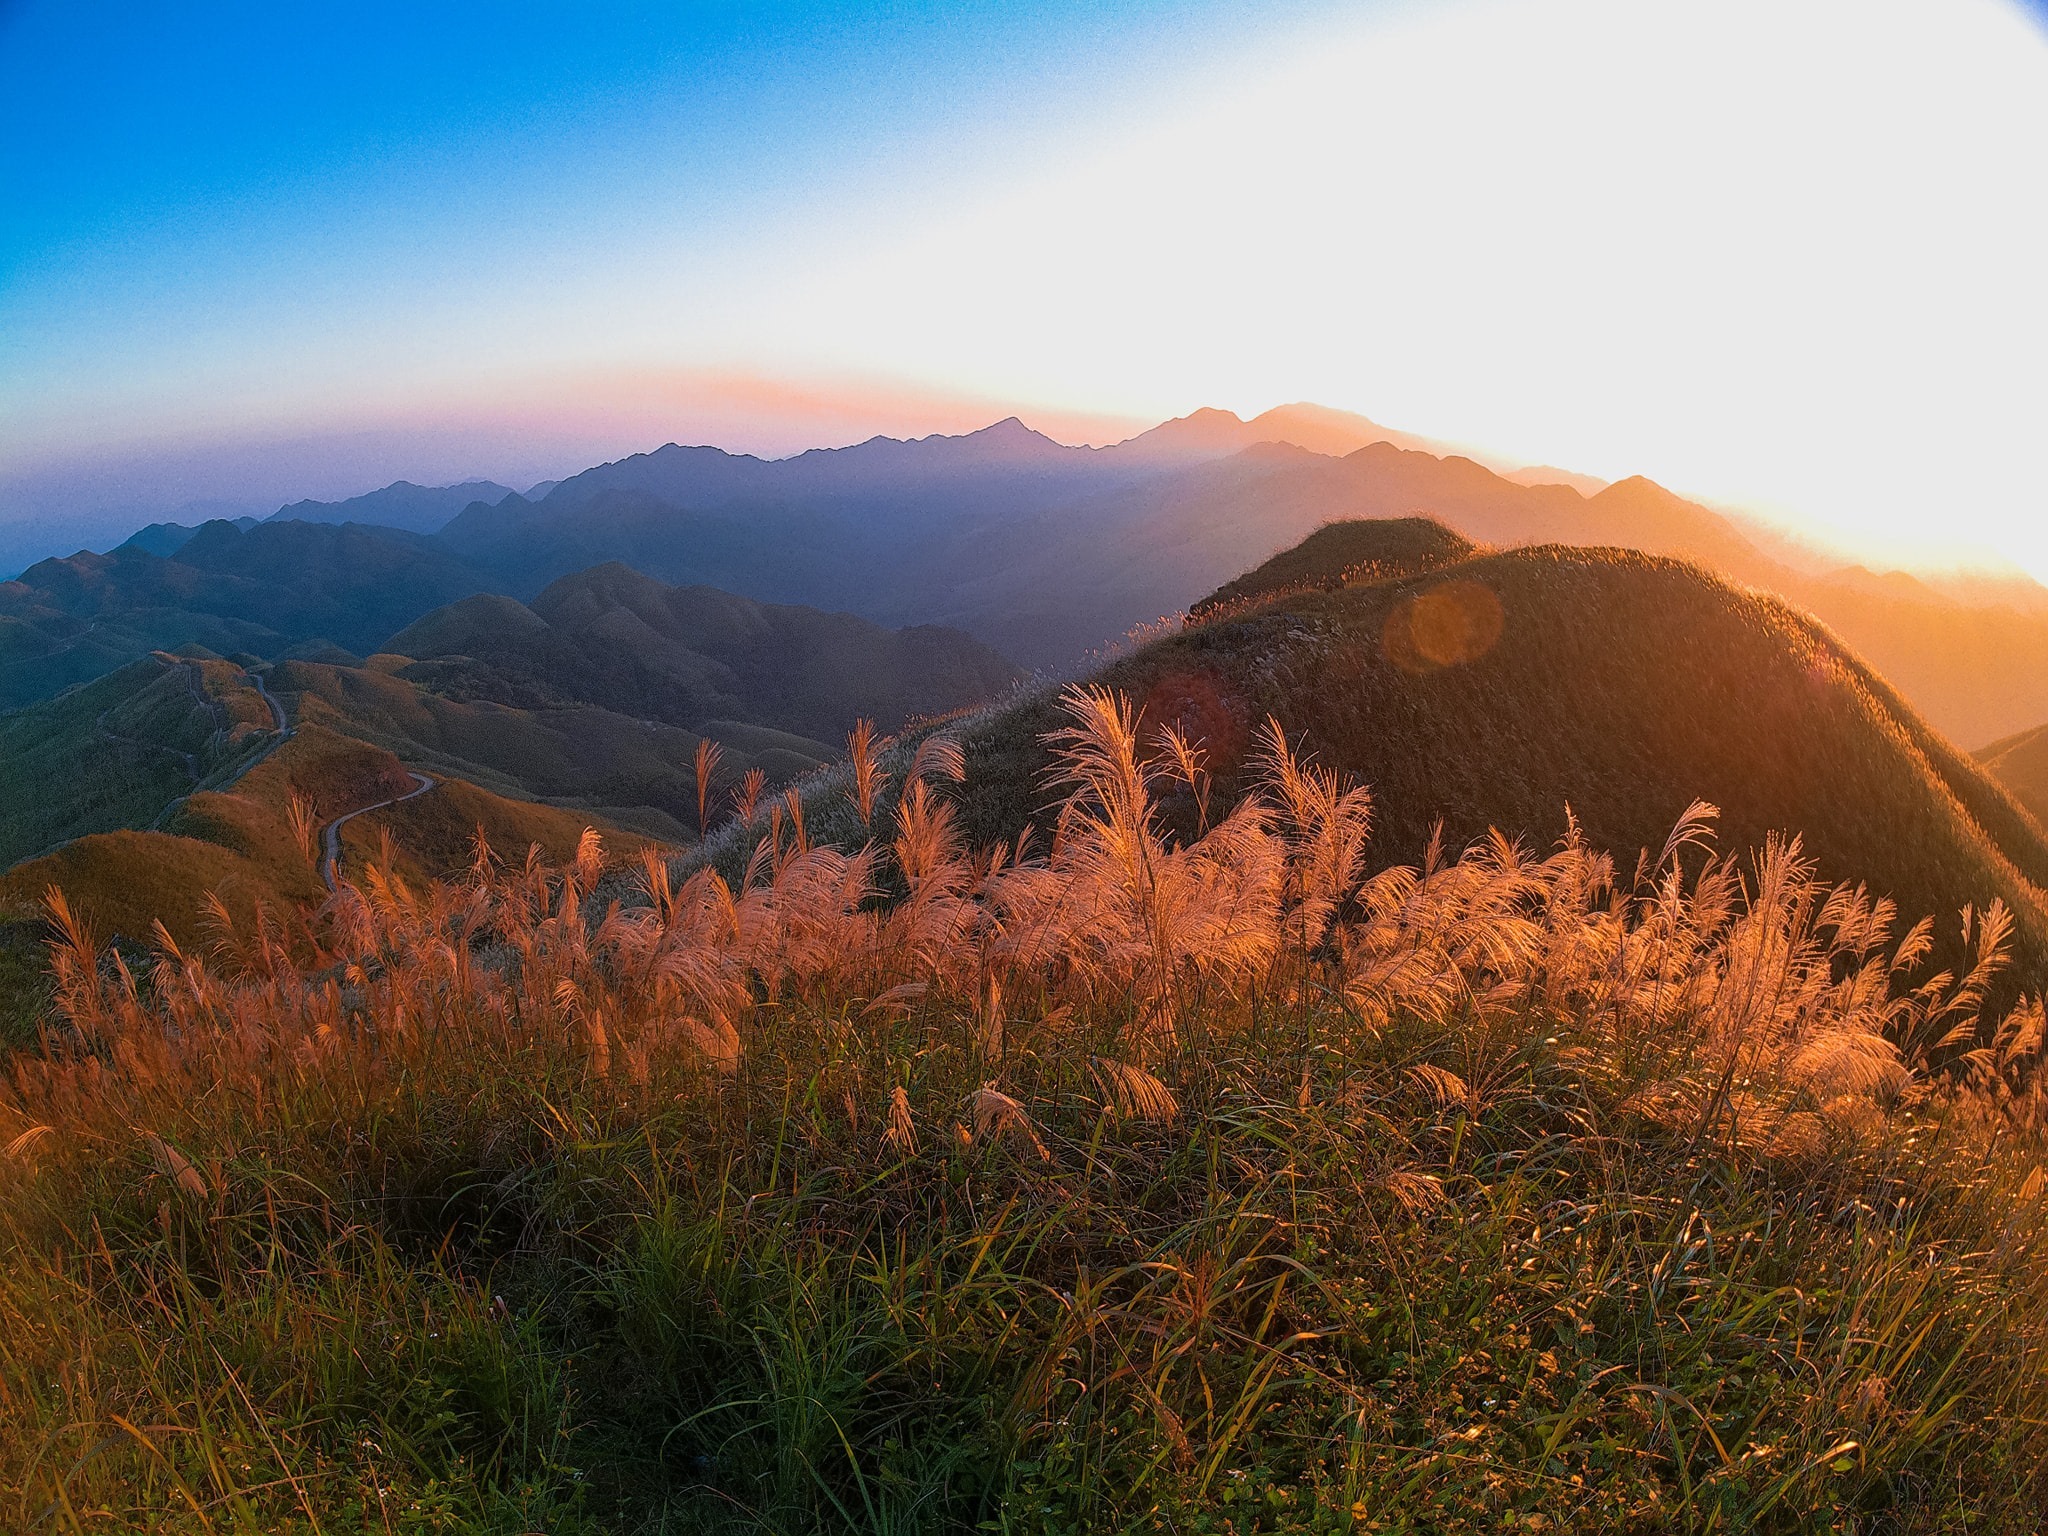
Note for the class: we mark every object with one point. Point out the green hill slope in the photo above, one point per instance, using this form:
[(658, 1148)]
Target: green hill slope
[(1497, 691), (575, 755), (118, 751), (684, 655)]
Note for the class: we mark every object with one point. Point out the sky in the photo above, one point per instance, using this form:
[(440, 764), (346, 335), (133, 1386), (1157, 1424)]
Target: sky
[(1784, 255)]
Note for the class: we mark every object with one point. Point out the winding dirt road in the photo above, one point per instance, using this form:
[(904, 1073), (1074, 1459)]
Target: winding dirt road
[(330, 835), (330, 863), (269, 698), (282, 731)]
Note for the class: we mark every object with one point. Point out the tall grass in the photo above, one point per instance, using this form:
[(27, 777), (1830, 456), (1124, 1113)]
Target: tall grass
[(1131, 1183)]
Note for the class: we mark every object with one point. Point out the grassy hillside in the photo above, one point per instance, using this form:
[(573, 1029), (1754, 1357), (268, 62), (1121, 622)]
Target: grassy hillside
[(121, 749), (2020, 763), (612, 637), (573, 755), (1142, 1186), (1501, 690), (241, 843)]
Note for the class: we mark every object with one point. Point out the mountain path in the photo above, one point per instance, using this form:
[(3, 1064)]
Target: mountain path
[(283, 730), (330, 863), (191, 762)]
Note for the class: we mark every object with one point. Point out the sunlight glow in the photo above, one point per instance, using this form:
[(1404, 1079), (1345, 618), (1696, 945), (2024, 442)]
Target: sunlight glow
[(1782, 255)]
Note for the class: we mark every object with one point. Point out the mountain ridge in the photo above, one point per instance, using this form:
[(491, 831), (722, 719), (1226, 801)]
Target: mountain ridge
[(1047, 552)]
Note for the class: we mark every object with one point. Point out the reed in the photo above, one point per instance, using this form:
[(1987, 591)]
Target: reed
[(1137, 1184)]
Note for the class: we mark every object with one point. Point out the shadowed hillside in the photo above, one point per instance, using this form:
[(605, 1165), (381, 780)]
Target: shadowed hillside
[(242, 846), (1497, 691), (2020, 763), (684, 655), (120, 750)]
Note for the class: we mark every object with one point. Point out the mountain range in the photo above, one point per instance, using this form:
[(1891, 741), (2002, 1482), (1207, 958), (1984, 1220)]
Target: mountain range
[(1043, 551), (413, 508), (1472, 678)]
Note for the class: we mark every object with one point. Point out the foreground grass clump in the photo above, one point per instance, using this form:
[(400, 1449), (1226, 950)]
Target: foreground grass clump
[(1139, 1186)]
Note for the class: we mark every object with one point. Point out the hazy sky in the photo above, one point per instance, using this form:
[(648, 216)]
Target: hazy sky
[(1781, 253)]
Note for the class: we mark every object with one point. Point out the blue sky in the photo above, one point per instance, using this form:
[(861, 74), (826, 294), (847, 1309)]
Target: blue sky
[(188, 181), (1780, 253)]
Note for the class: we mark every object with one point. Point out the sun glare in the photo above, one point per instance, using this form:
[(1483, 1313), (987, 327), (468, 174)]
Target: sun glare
[(1782, 256)]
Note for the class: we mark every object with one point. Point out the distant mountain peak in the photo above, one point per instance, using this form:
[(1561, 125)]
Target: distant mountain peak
[(1550, 474), (1642, 492), (1211, 432), (1011, 433), (401, 504)]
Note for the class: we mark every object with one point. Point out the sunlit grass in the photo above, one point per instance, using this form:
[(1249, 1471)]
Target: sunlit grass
[(1124, 1184)]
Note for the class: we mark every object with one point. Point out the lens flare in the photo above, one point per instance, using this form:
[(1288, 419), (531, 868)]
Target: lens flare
[(1445, 626)]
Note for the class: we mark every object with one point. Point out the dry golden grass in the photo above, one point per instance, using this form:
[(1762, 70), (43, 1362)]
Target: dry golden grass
[(1126, 1184)]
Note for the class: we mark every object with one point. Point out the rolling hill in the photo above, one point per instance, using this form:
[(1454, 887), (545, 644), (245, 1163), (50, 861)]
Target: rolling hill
[(120, 750), (1499, 689), (612, 637), (2020, 763)]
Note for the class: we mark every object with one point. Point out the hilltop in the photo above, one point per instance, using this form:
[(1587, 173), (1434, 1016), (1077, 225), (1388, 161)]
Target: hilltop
[(1340, 555), (1509, 689)]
